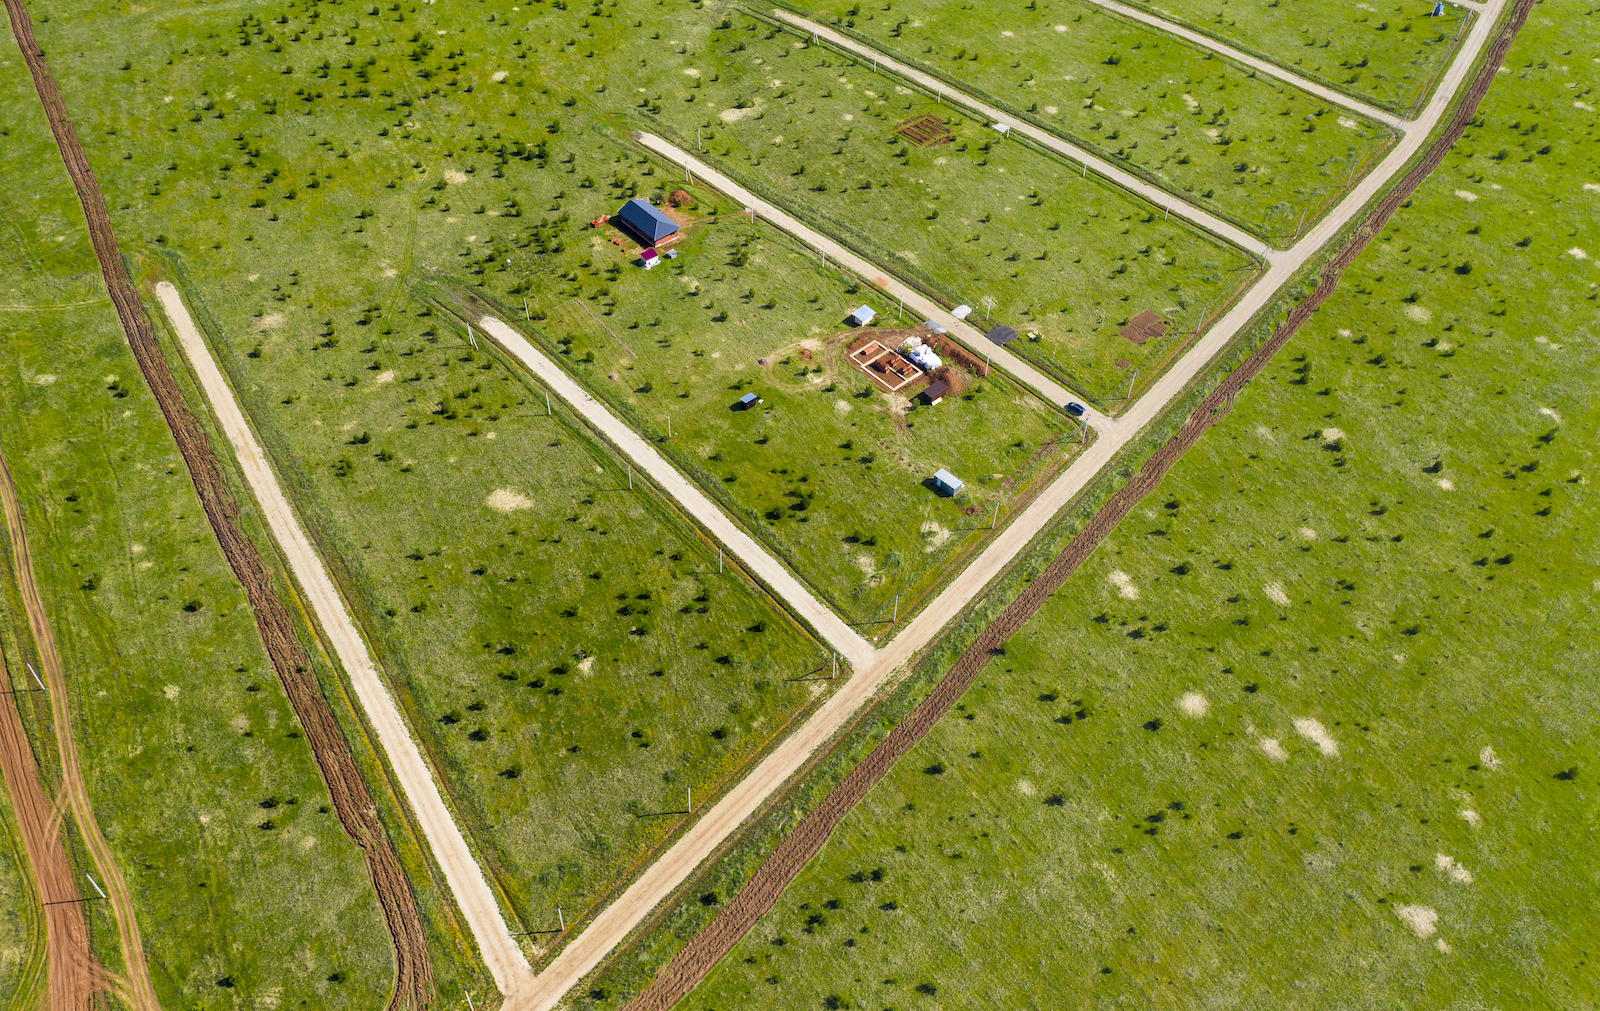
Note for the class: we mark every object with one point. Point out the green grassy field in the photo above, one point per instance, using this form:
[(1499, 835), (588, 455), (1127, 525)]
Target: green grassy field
[(406, 154), (830, 469), (569, 655), (184, 735), (1243, 146), (1318, 718), (22, 929), (1389, 55), (244, 884)]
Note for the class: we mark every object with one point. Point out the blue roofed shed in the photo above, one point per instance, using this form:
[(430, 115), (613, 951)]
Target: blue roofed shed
[(947, 483), (645, 222)]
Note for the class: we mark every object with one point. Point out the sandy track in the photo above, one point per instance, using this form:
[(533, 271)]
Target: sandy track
[(450, 849), (351, 801), (1123, 178), (1267, 67), (697, 958), (133, 986), (884, 280), (850, 643)]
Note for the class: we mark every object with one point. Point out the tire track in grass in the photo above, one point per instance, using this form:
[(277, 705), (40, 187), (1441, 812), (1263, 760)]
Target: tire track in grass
[(356, 811), (74, 976), (691, 964)]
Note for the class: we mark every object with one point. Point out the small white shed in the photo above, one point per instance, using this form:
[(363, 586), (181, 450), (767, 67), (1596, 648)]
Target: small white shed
[(862, 316)]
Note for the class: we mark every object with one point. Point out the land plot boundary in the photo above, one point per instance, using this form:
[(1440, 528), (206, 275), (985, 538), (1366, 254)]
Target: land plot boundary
[(964, 94), (708, 485), (641, 427), (1405, 108), (414, 974), (692, 962), (396, 812), (881, 280)]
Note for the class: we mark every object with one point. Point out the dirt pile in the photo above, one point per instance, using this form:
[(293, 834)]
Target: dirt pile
[(357, 814), (706, 948)]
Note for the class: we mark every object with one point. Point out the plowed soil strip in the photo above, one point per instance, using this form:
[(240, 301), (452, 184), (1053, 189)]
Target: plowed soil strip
[(134, 985), (414, 974), (702, 952)]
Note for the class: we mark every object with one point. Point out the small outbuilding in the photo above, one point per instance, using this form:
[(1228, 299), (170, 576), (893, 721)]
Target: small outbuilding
[(746, 402), (961, 311), (947, 483), (862, 316), (649, 258), (936, 391), (644, 222)]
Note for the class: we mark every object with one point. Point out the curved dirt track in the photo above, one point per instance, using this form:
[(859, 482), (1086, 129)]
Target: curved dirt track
[(73, 976), (134, 986), (703, 952), (357, 814)]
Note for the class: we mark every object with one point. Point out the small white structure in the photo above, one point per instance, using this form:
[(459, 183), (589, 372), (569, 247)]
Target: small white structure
[(947, 483), (1004, 128), (961, 311), (923, 357), (862, 316)]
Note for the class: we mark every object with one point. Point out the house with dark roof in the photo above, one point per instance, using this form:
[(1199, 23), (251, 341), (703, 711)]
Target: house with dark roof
[(643, 222)]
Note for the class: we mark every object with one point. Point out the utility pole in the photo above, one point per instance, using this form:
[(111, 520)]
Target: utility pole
[(36, 676), (698, 144), (471, 339), (547, 411), (669, 426), (835, 656), (1134, 378), (562, 919), (719, 560), (691, 799), (470, 1005), (630, 477), (1302, 223), (896, 619), (996, 517), (526, 312)]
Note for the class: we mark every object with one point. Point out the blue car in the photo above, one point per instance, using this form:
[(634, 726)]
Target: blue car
[(1075, 409)]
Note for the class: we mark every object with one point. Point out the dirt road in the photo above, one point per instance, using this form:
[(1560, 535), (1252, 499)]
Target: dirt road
[(133, 984), (697, 958), (73, 975), (1127, 180), (465, 877), (1266, 67), (351, 801), (915, 300)]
